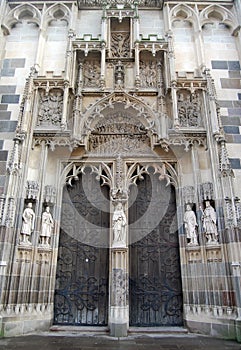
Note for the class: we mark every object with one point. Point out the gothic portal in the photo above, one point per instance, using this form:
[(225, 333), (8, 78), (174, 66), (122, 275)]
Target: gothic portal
[(120, 166)]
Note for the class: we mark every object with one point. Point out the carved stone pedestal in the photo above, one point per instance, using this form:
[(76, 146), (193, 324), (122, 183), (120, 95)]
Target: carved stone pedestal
[(119, 310)]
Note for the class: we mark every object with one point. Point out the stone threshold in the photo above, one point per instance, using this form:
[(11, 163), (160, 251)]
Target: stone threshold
[(158, 330), (105, 330)]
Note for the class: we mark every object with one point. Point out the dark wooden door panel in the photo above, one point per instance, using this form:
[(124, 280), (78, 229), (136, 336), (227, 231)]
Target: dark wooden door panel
[(81, 293), (155, 279)]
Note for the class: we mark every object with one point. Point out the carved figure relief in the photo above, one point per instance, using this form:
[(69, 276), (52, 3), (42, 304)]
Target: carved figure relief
[(91, 72), (190, 224), (209, 219), (120, 44), (148, 74), (119, 134), (189, 109), (50, 108), (119, 226), (46, 227), (28, 218)]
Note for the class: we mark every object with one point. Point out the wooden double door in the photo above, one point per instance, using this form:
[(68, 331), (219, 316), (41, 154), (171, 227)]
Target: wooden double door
[(82, 279)]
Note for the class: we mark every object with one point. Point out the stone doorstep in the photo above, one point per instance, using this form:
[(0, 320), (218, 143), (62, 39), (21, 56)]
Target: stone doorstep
[(131, 331)]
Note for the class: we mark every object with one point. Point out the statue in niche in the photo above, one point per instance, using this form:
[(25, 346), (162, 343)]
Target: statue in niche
[(120, 44), (27, 224), (190, 224), (50, 108), (46, 227), (119, 226), (91, 74), (209, 219)]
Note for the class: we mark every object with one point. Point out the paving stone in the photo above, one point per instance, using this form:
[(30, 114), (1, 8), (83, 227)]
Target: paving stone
[(170, 342)]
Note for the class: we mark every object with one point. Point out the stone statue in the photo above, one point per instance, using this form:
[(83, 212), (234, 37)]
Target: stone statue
[(190, 223), (119, 225), (28, 224), (47, 226), (209, 218)]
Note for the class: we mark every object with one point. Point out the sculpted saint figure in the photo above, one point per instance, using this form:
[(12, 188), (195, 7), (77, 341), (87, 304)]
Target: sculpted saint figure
[(190, 223), (209, 218), (47, 226), (28, 224), (119, 224)]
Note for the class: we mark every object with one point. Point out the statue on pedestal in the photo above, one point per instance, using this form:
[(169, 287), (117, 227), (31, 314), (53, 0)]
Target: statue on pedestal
[(119, 226), (47, 226), (209, 218), (28, 224), (190, 224)]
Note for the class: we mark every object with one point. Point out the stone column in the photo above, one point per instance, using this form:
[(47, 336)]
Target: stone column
[(137, 66), (65, 105), (119, 309), (103, 63), (40, 51)]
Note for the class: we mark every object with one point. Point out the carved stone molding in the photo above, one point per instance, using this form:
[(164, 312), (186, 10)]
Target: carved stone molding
[(53, 142), (185, 139), (116, 3), (214, 254), (194, 254)]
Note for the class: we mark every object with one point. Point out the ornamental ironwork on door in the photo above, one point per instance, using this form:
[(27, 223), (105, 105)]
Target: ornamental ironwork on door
[(81, 292), (155, 278)]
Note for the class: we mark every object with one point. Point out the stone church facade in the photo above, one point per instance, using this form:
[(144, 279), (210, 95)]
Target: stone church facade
[(120, 165)]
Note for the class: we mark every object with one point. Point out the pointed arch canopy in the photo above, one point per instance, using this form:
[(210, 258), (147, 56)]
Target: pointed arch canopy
[(186, 13), (220, 13), (27, 11)]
